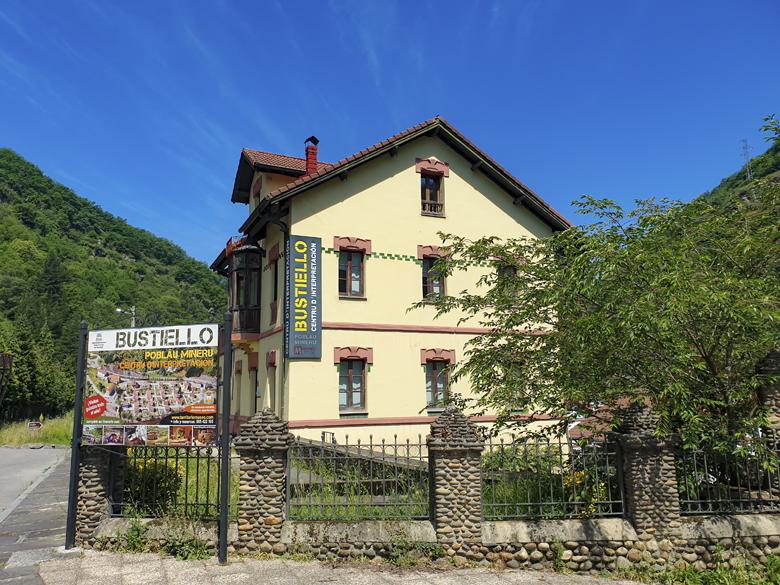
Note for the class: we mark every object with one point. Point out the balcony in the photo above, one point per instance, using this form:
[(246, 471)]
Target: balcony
[(245, 289), (433, 208), (246, 320)]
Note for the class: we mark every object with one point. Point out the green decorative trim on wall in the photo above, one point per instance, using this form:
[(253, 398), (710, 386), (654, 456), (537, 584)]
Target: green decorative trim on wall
[(400, 257), (383, 255)]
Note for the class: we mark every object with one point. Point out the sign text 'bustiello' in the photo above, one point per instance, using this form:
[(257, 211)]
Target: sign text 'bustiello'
[(151, 386), (303, 302)]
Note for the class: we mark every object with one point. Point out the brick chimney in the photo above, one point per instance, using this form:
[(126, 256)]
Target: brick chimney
[(311, 154)]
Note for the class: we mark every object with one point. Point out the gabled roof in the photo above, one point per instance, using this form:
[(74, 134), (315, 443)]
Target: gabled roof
[(270, 162), (293, 164), (437, 126)]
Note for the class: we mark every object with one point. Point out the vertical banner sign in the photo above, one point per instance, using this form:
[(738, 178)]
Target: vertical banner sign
[(151, 386), (303, 302)]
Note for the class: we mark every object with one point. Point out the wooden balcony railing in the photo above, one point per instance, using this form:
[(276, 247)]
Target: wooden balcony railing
[(246, 320)]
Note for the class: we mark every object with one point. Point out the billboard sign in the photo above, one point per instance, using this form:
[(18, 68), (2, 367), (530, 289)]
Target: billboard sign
[(151, 386), (303, 302)]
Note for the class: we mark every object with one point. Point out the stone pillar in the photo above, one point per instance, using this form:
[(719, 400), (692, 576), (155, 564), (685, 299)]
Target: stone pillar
[(769, 393), (93, 493), (769, 397), (652, 501), (455, 453), (262, 445)]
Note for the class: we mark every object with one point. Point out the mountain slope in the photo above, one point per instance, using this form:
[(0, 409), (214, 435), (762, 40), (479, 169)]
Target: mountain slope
[(766, 165), (63, 259)]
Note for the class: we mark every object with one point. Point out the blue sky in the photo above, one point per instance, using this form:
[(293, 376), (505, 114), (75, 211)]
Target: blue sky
[(144, 106)]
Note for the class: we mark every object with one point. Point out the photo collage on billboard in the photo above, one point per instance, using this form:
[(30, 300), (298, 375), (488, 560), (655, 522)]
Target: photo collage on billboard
[(151, 386)]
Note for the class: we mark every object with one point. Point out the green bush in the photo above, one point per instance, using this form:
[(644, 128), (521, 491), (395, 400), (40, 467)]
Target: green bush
[(152, 487), (559, 565), (545, 481), (405, 553), (134, 540), (182, 542)]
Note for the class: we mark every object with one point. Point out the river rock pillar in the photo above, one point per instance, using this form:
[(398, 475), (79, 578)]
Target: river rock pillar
[(652, 500), (94, 493), (769, 391), (262, 445), (455, 452)]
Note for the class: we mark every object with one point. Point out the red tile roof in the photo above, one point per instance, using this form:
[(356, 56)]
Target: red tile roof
[(280, 161), (344, 161), (327, 170)]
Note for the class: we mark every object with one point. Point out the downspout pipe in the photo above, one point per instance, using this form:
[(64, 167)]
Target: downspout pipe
[(283, 358)]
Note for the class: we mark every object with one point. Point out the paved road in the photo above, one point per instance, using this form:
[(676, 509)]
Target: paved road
[(35, 527), (21, 468), (146, 569)]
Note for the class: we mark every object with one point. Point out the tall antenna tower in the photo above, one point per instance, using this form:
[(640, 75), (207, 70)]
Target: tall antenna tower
[(747, 151)]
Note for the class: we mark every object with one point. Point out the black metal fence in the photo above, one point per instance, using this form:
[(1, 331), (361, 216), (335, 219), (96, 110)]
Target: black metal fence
[(742, 478), (532, 478), (551, 478), (150, 481), (360, 480)]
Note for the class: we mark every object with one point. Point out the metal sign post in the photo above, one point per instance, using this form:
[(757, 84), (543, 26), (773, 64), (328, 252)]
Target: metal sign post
[(224, 438), (75, 451)]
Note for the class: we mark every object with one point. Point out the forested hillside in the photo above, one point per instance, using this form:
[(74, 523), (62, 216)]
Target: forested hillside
[(63, 259), (765, 165)]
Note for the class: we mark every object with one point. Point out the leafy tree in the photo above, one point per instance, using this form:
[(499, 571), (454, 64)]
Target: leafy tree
[(672, 304), (63, 259)]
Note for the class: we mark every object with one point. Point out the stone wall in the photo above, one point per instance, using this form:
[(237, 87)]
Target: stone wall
[(653, 532), (578, 545)]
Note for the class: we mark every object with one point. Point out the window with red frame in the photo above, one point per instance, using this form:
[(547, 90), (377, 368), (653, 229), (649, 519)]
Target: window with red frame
[(351, 270), (352, 385), (431, 194), (432, 280), (436, 382)]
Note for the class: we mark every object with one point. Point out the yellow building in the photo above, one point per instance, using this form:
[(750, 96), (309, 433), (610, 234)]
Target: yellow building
[(376, 213)]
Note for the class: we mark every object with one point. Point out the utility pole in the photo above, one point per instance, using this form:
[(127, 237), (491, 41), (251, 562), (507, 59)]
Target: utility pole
[(131, 312), (746, 156)]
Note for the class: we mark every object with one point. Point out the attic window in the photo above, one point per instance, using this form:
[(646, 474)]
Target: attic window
[(256, 190), (432, 172), (431, 194)]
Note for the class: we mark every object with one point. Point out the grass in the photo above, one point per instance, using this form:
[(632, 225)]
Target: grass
[(747, 574), (355, 507), (55, 431), (179, 539), (180, 487), (354, 489)]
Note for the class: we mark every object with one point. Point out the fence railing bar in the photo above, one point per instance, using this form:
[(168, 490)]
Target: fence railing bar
[(737, 479)]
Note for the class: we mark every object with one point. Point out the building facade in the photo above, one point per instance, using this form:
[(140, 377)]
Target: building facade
[(377, 215)]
